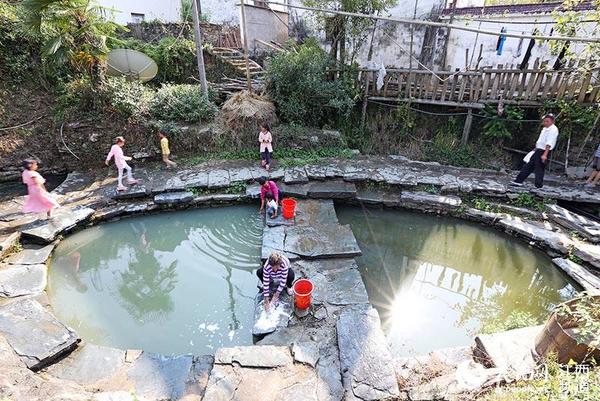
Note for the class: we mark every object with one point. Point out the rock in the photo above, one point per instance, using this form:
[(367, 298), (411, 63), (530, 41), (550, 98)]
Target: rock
[(132, 354), (295, 175), (159, 377), (510, 351), (311, 212), (484, 217), (132, 192), (589, 253), (272, 240), (241, 174), (218, 179), (554, 240), (370, 196), (189, 179), (139, 207), (589, 281), (108, 213), (293, 190), (587, 228), (366, 363), (17, 280), (306, 352), (174, 198), (279, 220), (75, 181), (332, 190), (283, 381), (8, 243), (396, 175), (198, 378), (275, 174), (336, 281), (275, 319), (253, 191), (257, 356), (321, 241), (427, 201), (63, 221), (35, 334), (316, 172), (31, 255), (89, 364)]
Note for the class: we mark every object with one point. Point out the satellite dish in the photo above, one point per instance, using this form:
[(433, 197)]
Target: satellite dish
[(131, 64)]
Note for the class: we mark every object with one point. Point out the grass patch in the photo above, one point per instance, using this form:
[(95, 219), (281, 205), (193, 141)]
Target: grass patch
[(529, 201)]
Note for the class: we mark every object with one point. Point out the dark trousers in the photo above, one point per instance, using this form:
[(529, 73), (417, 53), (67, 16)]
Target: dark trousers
[(535, 165), (290, 278), (266, 156)]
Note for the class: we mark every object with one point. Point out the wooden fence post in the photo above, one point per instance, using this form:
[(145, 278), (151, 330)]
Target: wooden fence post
[(467, 128)]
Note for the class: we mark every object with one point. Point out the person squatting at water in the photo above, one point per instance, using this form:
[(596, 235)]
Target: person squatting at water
[(267, 185), (537, 162), (38, 199), (272, 205), (276, 273)]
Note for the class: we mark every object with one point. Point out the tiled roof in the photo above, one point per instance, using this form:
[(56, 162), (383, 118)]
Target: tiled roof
[(540, 8)]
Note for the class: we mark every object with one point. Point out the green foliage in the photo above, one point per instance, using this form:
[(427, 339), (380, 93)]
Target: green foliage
[(186, 12), (515, 320), (584, 317), (17, 45), (503, 127), (446, 148), (293, 157), (405, 118), (131, 99), (572, 119), (529, 201), (175, 57), (236, 188), (569, 21), (298, 83), (73, 32), (182, 103), (553, 383), (483, 204)]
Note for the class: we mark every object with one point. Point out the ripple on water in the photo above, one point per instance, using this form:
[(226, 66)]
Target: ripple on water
[(171, 283)]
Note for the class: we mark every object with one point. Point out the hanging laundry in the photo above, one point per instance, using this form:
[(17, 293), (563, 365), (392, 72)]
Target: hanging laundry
[(501, 40), (560, 60), (519, 47), (528, 51), (380, 75)]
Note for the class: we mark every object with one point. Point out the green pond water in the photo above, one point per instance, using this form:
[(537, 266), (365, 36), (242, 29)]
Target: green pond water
[(183, 282), (436, 281), (178, 282)]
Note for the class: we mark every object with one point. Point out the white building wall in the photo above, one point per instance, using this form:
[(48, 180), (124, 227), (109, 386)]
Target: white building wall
[(163, 10), (459, 41)]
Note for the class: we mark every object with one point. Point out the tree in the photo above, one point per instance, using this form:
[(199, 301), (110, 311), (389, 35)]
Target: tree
[(74, 32), (343, 31), (571, 19)]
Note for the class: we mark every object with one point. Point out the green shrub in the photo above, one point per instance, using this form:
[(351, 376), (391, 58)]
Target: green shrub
[(182, 103), (503, 127), (529, 201), (299, 85), (131, 99)]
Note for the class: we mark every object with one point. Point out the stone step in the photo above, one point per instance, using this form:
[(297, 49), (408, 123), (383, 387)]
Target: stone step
[(8, 242), (19, 280), (31, 255), (587, 228), (64, 220), (35, 334)]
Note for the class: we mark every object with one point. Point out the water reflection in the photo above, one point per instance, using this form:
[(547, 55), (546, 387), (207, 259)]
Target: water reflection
[(436, 281), (179, 282)]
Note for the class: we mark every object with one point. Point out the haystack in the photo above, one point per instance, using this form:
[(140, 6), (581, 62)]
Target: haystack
[(240, 116)]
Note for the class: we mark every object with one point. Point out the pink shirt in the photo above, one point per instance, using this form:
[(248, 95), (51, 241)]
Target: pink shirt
[(117, 152), (272, 189), (30, 176), (265, 136)]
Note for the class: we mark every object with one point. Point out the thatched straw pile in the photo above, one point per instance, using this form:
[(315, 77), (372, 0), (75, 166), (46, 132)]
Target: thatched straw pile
[(239, 119)]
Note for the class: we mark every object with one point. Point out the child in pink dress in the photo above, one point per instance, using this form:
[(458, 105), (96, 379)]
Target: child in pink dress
[(121, 163), (38, 199)]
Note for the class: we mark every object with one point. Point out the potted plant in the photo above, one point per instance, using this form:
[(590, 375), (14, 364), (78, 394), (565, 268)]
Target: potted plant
[(573, 331)]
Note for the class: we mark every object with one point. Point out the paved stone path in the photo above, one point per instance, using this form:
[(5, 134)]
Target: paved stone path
[(337, 352)]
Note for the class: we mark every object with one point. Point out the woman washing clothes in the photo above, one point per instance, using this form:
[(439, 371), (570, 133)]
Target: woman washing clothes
[(278, 273)]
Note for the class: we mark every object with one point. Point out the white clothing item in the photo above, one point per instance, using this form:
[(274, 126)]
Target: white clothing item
[(272, 204), (548, 136), (528, 156), (129, 175), (380, 76)]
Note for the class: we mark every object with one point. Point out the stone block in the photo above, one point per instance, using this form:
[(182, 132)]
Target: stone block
[(18, 280)]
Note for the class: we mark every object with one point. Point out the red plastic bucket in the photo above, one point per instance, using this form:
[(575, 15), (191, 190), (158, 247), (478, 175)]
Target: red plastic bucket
[(303, 289), (288, 208)]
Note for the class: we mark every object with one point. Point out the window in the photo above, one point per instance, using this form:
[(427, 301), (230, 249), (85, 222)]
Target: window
[(137, 18)]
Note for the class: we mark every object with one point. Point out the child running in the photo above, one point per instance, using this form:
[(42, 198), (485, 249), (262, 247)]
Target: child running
[(121, 163), (38, 199), (271, 205), (165, 151), (266, 145)]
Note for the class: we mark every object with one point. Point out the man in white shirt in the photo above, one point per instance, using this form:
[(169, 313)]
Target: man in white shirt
[(544, 145)]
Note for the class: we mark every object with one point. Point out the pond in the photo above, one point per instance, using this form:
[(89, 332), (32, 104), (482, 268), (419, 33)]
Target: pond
[(172, 283), (437, 281)]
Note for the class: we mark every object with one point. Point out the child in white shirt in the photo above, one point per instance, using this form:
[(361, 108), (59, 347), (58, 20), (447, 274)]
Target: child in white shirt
[(271, 205)]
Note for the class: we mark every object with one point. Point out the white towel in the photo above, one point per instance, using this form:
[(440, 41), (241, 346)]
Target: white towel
[(528, 156)]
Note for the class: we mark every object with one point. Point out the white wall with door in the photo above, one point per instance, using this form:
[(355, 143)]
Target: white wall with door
[(126, 11)]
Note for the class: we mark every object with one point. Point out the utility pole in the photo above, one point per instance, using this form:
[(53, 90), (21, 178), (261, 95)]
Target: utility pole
[(199, 50), (245, 33)]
